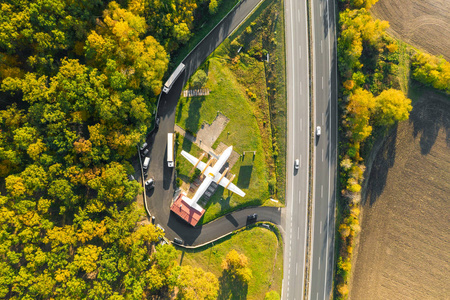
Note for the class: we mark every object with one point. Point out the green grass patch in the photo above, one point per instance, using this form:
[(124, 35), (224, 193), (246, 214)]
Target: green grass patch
[(263, 250)]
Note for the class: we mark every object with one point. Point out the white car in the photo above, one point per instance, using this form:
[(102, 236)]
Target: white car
[(318, 131), (149, 183), (297, 164)]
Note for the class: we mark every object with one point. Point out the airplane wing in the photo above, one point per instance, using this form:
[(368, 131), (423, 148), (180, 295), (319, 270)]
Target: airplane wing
[(193, 160), (224, 182)]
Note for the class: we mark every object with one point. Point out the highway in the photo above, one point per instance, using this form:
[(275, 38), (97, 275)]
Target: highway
[(325, 115), (295, 217)]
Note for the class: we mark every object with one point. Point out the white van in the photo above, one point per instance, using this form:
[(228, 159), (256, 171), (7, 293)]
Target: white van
[(146, 163)]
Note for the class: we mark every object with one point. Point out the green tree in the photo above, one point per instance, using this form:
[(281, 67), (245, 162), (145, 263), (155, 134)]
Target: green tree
[(199, 79)]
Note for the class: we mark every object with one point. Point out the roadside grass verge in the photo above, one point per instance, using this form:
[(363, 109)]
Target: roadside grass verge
[(263, 250)]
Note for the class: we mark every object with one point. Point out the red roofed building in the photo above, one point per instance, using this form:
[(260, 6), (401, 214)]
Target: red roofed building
[(187, 213)]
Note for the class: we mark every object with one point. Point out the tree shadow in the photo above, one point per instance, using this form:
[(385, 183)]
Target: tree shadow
[(192, 121), (231, 288), (428, 117), (187, 145), (384, 160), (245, 174), (180, 109)]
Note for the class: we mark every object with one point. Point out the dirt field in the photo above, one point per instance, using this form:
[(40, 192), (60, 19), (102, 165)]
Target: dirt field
[(421, 23), (404, 246)]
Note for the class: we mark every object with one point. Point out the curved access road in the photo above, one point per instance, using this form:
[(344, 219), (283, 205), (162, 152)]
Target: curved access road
[(160, 198), (325, 146)]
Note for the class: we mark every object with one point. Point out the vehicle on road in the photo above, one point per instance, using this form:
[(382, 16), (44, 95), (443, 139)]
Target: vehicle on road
[(318, 130), (146, 163), (143, 146), (157, 120), (150, 183), (173, 78), (297, 164), (153, 219), (160, 227), (252, 218), (144, 153), (170, 144), (178, 241), (267, 226)]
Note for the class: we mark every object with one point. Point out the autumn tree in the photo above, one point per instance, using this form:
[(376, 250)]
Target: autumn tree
[(236, 266), (272, 295), (38, 30), (431, 70), (119, 47), (360, 107), (169, 22), (196, 284), (392, 106)]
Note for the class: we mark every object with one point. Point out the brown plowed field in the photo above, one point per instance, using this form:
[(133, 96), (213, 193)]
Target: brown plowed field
[(424, 24), (404, 246)]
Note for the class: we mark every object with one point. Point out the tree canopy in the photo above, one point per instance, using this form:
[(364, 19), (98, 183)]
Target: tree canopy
[(81, 87)]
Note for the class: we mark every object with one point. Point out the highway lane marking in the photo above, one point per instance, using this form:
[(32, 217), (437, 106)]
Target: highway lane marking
[(320, 227), (321, 46), (301, 126), (321, 191), (322, 154), (323, 118), (320, 9), (319, 264), (322, 82), (298, 15), (296, 269), (298, 233), (301, 92)]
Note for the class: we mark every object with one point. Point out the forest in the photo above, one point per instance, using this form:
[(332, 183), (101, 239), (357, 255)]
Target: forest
[(79, 81)]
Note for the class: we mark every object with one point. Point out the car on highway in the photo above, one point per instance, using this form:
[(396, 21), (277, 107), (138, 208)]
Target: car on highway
[(318, 130), (297, 164), (150, 183)]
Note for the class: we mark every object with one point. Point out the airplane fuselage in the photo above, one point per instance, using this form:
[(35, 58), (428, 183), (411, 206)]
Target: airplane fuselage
[(212, 174)]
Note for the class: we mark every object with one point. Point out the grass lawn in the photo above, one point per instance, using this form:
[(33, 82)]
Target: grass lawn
[(265, 256)]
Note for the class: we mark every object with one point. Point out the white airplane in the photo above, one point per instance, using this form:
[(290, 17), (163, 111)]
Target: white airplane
[(212, 174)]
